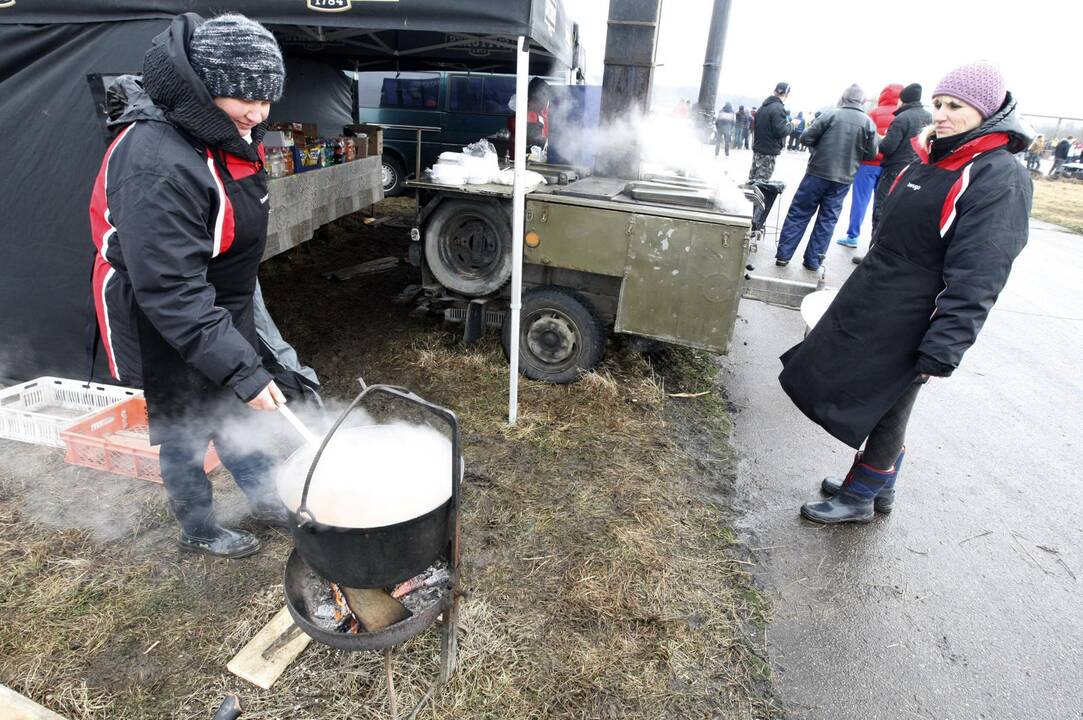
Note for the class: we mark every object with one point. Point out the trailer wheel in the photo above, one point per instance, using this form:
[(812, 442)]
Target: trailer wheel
[(560, 338), (468, 247), (393, 174)]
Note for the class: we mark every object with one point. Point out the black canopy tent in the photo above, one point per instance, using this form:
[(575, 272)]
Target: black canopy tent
[(53, 127)]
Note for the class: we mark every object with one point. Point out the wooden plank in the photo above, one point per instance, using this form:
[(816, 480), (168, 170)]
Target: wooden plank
[(14, 706), (366, 268), (270, 652)]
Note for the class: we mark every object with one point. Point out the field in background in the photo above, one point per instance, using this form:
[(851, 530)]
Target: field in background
[(1059, 202)]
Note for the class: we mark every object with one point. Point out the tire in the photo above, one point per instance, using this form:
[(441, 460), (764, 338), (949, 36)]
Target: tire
[(468, 247), (560, 338), (394, 175)]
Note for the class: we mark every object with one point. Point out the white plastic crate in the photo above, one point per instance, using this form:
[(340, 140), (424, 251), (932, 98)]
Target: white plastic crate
[(36, 411)]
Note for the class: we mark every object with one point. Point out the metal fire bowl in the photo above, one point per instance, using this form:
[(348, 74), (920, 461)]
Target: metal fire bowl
[(301, 586)]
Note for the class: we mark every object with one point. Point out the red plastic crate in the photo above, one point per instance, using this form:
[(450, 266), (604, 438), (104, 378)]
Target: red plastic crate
[(117, 440)]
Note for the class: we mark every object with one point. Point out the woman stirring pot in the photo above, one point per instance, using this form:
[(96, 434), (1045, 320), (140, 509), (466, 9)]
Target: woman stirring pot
[(179, 217), (952, 225)]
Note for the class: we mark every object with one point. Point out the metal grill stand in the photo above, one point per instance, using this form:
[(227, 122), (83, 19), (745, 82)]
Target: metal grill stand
[(302, 583)]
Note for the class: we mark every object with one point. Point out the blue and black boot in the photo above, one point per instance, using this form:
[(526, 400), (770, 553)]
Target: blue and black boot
[(855, 499), (885, 499)]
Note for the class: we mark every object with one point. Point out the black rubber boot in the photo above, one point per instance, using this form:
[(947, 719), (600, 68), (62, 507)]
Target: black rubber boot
[(843, 508), (885, 499), (201, 533), (855, 499)]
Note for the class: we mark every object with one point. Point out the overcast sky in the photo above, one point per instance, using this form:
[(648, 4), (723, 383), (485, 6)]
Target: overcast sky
[(822, 47)]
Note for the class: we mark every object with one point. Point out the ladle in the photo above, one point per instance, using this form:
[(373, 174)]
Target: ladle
[(299, 426)]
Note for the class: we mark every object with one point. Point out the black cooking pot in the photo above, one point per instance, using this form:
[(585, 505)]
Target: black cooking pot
[(380, 556)]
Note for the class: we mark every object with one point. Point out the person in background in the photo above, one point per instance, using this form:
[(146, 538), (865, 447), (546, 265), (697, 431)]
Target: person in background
[(799, 128), (539, 97), (724, 125), (1060, 154), (896, 150), (744, 120), (952, 226), (770, 129), (868, 174), (1034, 153), (840, 139), (179, 218)]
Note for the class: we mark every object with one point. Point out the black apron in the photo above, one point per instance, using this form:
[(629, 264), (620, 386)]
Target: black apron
[(181, 399)]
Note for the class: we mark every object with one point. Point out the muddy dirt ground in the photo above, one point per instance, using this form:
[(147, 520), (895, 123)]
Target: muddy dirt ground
[(602, 578)]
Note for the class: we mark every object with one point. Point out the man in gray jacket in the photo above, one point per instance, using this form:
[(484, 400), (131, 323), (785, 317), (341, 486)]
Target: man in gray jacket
[(840, 139)]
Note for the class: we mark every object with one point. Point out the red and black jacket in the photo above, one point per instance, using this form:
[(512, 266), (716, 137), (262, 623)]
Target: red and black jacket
[(950, 231), (179, 220)]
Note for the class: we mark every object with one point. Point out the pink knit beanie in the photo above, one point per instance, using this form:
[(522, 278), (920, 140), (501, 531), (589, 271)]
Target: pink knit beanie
[(979, 84)]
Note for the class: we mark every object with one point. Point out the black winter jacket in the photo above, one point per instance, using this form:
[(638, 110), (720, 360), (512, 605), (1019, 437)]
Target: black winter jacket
[(179, 217), (771, 127), (945, 245), (896, 148), (840, 139)]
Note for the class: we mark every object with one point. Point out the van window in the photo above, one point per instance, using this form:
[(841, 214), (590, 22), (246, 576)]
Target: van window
[(488, 94), (406, 91)]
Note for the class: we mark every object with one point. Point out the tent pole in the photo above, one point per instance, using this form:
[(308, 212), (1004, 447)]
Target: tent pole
[(518, 219)]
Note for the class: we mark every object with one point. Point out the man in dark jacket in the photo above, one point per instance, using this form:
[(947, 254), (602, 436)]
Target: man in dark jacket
[(770, 130), (744, 121), (840, 139), (896, 148), (1060, 154)]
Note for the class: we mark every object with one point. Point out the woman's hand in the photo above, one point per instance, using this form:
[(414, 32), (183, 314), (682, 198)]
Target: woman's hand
[(269, 398)]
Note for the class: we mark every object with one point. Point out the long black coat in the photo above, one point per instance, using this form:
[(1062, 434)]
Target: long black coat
[(945, 246)]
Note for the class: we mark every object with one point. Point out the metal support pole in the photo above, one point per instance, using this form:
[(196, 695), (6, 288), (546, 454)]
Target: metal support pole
[(518, 218)]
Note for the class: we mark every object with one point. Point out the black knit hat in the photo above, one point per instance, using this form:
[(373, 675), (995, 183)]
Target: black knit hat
[(911, 93), (782, 88), (238, 58)]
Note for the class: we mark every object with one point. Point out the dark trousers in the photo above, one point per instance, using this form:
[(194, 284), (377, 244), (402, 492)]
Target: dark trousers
[(865, 182), (814, 195), (886, 440), (723, 137), (190, 491)]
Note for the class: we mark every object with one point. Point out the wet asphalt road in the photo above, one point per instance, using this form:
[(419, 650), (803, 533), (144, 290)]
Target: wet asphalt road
[(967, 601)]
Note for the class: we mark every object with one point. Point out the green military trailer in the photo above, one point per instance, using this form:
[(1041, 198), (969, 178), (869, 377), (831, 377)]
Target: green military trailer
[(652, 259)]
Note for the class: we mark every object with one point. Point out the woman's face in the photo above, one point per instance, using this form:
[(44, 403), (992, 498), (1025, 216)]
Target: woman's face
[(245, 114), (952, 116)]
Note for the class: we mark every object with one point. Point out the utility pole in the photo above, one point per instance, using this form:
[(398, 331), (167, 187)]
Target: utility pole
[(712, 62), (630, 44)]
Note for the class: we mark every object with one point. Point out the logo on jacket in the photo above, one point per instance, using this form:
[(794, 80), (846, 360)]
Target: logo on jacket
[(912, 186), (263, 199), (332, 5)]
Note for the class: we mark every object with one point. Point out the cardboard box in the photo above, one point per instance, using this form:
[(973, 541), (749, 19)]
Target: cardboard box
[(375, 135)]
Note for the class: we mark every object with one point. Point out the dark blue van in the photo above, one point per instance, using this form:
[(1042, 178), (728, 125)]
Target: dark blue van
[(463, 106)]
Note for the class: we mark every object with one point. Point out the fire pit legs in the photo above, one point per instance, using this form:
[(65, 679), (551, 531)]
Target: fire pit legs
[(392, 701)]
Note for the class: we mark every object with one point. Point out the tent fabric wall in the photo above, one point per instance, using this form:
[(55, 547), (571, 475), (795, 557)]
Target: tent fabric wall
[(53, 147), (316, 93)]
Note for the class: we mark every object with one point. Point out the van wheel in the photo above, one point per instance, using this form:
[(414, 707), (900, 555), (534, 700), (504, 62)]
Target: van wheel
[(468, 247), (560, 338), (394, 175)]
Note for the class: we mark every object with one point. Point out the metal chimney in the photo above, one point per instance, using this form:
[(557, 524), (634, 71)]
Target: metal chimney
[(630, 46), (712, 63)]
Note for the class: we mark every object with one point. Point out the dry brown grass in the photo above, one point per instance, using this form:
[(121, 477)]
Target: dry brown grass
[(1059, 202)]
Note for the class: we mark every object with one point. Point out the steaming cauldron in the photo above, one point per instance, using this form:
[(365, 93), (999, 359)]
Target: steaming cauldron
[(376, 557)]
